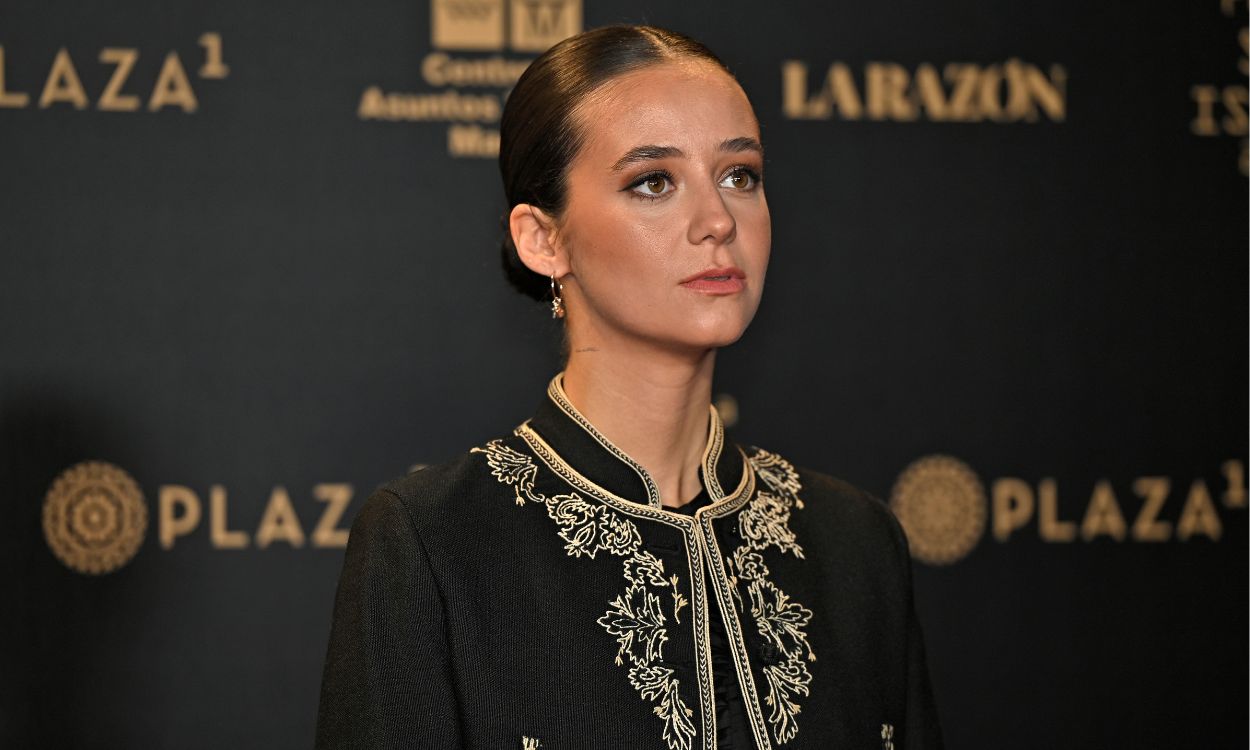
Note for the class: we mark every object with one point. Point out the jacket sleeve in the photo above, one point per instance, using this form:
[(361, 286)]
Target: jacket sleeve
[(387, 681), (921, 730)]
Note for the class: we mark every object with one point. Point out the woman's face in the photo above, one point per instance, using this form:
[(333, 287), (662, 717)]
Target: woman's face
[(666, 229)]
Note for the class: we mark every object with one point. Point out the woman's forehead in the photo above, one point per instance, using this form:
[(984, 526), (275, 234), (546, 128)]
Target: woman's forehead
[(690, 104)]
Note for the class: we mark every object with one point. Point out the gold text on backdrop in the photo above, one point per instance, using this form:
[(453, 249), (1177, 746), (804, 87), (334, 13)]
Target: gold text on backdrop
[(171, 88), (1221, 110), (180, 512), (1013, 91)]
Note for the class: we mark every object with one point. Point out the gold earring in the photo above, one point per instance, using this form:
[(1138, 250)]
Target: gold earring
[(557, 303)]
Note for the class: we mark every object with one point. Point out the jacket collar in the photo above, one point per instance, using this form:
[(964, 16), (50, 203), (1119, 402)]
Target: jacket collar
[(583, 447)]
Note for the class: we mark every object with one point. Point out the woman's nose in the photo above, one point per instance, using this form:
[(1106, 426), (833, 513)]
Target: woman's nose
[(711, 219)]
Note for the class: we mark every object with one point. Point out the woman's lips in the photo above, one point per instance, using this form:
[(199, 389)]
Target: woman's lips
[(717, 281)]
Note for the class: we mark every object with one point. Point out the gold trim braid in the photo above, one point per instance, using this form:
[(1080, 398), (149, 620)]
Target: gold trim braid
[(555, 390)]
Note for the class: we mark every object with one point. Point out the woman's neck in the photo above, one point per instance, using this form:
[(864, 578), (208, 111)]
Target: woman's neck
[(652, 405)]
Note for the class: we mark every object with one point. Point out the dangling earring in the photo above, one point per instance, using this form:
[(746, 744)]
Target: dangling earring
[(557, 303)]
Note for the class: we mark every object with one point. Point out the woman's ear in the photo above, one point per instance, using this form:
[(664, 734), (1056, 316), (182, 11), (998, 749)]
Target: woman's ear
[(534, 234)]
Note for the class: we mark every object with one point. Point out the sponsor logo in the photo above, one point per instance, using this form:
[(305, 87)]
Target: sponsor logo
[(467, 74), (528, 25), (94, 518), (944, 509), (960, 92), (941, 504)]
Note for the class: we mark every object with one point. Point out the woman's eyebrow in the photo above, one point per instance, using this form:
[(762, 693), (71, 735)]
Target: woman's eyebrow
[(743, 143), (652, 152), (646, 153)]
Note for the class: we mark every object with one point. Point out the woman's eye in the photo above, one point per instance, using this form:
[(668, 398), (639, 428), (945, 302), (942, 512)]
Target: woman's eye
[(653, 186), (740, 179)]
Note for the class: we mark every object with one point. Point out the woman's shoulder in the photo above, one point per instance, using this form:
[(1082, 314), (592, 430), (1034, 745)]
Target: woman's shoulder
[(448, 489)]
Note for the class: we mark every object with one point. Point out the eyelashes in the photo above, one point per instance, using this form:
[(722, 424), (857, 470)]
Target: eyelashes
[(658, 183), (751, 176), (645, 185)]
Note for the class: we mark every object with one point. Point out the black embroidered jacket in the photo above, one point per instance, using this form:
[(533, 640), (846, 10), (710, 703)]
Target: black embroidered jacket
[(533, 594)]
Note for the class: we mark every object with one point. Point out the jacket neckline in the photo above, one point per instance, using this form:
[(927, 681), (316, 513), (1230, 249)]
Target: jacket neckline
[(579, 444)]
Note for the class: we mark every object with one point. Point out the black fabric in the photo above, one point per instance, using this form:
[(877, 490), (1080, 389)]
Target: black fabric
[(472, 612)]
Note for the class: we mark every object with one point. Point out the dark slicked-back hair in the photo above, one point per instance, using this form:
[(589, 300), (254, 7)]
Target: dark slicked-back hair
[(538, 134)]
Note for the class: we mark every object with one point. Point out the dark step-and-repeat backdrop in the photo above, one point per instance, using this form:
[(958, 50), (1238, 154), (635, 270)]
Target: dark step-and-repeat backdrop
[(249, 271)]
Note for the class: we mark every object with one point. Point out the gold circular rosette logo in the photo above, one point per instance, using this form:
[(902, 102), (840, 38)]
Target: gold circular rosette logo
[(94, 517), (941, 504)]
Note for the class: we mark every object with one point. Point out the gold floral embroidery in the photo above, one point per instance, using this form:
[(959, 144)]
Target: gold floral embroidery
[(638, 624), (781, 621), (750, 564), (778, 474), (783, 680), (512, 468), (766, 521), (657, 684), (590, 528), (635, 617), (644, 567), (679, 601)]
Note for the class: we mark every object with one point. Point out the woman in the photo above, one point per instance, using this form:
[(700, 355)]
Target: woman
[(617, 573)]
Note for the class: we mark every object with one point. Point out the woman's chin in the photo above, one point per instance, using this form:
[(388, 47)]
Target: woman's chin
[(703, 338)]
